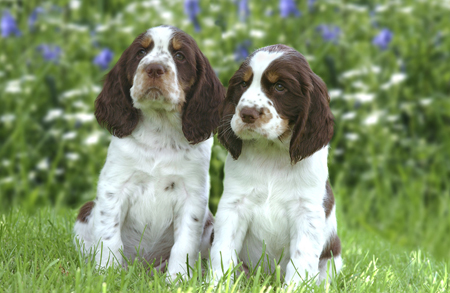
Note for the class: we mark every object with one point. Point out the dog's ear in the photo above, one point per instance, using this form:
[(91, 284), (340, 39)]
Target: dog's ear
[(200, 116), (225, 134), (314, 126), (114, 107)]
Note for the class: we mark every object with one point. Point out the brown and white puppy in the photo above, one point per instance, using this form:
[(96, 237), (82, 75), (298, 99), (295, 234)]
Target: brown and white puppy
[(276, 124), (160, 103)]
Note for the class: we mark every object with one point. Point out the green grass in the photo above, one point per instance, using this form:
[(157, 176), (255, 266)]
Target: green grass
[(38, 255)]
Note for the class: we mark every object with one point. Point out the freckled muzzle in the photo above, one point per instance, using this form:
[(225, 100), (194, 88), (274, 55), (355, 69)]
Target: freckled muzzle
[(156, 81)]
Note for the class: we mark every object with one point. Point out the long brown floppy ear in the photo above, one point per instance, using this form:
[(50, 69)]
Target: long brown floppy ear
[(314, 127), (200, 116), (113, 107), (226, 135)]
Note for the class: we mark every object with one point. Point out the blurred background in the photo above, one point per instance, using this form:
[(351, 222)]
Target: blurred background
[(386, 65)]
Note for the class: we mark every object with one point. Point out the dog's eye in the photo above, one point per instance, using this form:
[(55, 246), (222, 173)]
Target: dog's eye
[(141, 53), (179, 56), (244, 84), (279, 87)]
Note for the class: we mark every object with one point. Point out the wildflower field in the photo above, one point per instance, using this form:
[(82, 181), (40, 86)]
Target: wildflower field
[(387, 68)]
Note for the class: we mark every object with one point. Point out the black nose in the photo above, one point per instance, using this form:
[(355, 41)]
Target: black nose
[(155, 70), (249, 115)]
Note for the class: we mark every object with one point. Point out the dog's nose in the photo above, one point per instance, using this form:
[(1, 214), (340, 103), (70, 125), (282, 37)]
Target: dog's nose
[(249, 115), (155, 70)]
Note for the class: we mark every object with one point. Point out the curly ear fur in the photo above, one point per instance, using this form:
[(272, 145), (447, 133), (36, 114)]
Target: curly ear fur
[(200, 116), (113, 107), (314, 126), (225, 134)]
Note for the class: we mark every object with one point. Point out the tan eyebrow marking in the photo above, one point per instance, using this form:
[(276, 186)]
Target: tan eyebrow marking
[(272, 76), (146, 41), (176, 43), (247, 74)]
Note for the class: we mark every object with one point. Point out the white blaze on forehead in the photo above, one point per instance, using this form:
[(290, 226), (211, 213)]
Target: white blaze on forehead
[(259, 63), (271, 125), (161, 37), (254, 95)]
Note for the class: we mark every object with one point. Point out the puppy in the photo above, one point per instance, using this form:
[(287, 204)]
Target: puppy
[(160, 102), (276, 124)]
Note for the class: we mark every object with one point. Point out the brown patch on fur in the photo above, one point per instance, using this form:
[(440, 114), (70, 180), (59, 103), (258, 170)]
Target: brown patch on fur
[(176, 43), (333, 246), (287, 130), (328, 200), (247, 74), (264, 117), (146, 41), (272, 76), (85, 211)]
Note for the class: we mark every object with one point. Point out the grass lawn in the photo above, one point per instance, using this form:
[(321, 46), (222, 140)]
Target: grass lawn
[(38, 255)]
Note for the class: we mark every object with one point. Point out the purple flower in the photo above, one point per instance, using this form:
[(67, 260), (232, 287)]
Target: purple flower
[(50, 52), (192, 9), (9, 25), (241, 51), (103, 58), (329, 33), (34, 16), (287, 7), (383, 39), (243, 10)]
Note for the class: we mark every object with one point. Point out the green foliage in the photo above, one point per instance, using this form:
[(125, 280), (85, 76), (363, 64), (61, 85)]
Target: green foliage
[(389, 158)]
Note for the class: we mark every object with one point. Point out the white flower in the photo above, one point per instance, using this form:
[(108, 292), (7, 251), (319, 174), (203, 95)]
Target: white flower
[(31, 175), (361, 97), (7, 118), (43, 164), (82, 117), (6, 163), (392, 118), (72, 156), (53, 114), (425, 102), (208, 21), (13, 87), (75, 4), (348, 116), (257, 34), (93, 138), (69, 135), (360, 71), (381, 8), (338, 152), (6, 180), (406, 10), (168, 16), (59, 171), (334, 93), (228, 34), (102, 28), (373, 118), (359, 84), (396, 78), (77, 27), (351, 136), (356, 8)]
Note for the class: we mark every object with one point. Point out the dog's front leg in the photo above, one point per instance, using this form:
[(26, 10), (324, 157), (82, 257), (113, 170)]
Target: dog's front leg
[(188, 228), (230, 228), (307, 240), (109, 213)]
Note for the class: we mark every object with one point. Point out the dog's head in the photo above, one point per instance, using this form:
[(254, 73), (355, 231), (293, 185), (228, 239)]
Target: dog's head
[(163, 69), (274, 95)]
